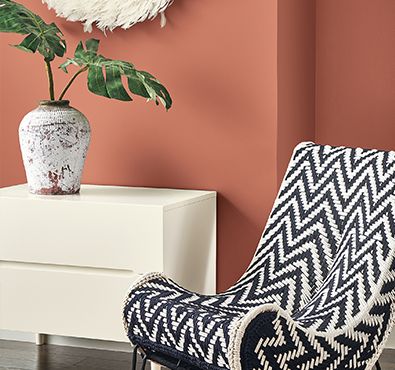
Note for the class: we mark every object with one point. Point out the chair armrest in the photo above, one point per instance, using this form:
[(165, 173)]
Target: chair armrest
[(256, 335), (269, 338), (143, 279)]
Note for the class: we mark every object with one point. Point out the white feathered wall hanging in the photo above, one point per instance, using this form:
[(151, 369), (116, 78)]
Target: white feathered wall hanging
[(109, 14)]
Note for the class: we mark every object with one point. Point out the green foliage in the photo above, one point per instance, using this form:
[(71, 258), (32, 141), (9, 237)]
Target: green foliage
[(42, 37), (105, 76)]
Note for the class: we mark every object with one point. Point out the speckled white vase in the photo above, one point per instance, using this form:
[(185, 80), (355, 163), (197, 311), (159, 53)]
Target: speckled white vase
[(54, 140)]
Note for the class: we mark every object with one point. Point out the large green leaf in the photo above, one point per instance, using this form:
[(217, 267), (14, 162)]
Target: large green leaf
[(114, 83), (42, 37), (106, 76), (96, 81)]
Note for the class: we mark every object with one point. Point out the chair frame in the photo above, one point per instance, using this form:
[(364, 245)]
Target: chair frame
[(168, 361)]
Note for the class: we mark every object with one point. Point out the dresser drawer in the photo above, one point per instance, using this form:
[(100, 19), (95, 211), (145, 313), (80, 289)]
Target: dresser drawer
[(76, 233), (66, 262), (70, 301)]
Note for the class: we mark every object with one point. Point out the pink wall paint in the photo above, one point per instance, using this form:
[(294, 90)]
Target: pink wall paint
[(296, 77), (246, 87), (355, 102), (220, 64)]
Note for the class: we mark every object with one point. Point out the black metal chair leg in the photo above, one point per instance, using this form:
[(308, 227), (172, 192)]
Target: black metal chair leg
[(134, 357), (144, 362), (378, 367)]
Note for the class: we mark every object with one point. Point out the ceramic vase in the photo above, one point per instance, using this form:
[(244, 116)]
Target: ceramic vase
[(54, 140)]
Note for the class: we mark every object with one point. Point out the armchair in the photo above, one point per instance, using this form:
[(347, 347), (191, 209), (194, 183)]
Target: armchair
[(319, 292)]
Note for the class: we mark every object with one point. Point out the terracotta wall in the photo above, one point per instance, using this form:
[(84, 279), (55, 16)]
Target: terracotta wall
[(296, 77), (220, 64), (355, 101), (247, 82)]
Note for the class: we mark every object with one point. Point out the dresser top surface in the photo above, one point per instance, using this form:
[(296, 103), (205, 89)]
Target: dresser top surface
[(138, 196)]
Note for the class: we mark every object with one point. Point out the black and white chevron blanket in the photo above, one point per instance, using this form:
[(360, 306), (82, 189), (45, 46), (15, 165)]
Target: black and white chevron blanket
[(320, 290)]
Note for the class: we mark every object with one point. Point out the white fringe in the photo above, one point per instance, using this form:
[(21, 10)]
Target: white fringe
[(109, 14)]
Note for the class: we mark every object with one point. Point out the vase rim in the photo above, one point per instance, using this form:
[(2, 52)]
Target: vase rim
[(54, 103)]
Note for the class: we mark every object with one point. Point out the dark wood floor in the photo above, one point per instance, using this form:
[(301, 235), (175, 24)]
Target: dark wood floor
[(27, 356)]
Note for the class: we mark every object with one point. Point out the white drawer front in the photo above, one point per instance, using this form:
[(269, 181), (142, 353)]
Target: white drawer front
[(64, 301), (80, 234)]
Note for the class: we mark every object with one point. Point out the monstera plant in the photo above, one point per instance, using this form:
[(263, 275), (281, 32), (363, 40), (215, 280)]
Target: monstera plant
[(47, 39), (55, 137)]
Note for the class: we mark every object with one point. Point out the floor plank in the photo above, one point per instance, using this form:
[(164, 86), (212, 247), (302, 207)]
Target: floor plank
[(28, 356)]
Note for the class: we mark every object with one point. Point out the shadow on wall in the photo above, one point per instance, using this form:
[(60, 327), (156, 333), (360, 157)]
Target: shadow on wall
[(239, 247)]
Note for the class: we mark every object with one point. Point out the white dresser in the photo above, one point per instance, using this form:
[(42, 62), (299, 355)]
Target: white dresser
[(66, 262)]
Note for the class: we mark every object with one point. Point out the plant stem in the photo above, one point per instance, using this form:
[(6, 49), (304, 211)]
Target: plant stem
[(71, 81), (50, 80)]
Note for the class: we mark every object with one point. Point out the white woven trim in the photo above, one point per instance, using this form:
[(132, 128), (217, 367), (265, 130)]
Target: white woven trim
[(143, 279), (372, 362), (238, 330)]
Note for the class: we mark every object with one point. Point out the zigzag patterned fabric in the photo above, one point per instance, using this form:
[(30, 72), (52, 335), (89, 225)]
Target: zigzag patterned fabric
[(319, 292)]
